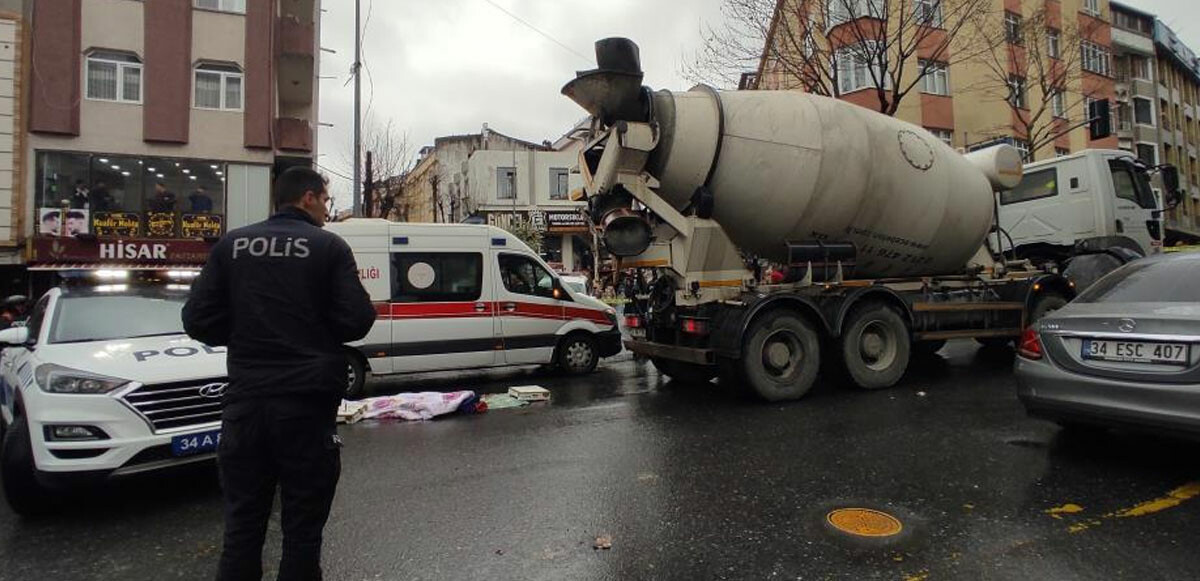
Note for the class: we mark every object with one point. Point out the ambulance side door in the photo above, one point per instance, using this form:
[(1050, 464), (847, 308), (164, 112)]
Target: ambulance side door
[(442, 311), (529, 315)]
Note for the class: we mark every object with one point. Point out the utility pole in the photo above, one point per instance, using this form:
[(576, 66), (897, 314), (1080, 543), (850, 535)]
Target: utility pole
[(369, 191), (357, 112)]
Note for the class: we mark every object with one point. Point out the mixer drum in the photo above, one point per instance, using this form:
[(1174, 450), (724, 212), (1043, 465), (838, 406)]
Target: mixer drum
[(789, 166)]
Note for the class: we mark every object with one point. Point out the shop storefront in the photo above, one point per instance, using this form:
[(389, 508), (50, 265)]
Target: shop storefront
[(107, 196), (566, 237)]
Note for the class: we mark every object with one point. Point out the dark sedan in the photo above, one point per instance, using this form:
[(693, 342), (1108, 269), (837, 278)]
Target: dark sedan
[(1126, 352)]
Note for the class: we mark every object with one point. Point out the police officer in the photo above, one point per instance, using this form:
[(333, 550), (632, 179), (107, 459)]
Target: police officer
[(283, 295)]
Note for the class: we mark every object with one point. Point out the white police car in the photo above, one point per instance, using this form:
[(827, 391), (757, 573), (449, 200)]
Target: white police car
[(103, 382)]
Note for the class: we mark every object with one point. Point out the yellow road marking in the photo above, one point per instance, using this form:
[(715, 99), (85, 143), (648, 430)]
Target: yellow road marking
[(1171, 500), (1068, 508)]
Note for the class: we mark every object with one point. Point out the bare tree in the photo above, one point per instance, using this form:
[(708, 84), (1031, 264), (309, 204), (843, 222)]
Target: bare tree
[(392, 154), (1037, 68), (835, 47)]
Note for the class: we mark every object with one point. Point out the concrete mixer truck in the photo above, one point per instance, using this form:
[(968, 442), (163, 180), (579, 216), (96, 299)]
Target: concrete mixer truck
[(881, 225)]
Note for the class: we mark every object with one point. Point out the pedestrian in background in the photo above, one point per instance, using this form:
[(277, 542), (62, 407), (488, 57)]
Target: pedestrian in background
[(283, 295)]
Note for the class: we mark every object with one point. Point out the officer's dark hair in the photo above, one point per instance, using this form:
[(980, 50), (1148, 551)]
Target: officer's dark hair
[(75, 214), (293, 182), (48, 216)]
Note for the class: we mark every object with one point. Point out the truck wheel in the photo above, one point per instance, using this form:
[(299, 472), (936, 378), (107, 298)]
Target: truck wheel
[(356, 376), (781, 356), (876, 346), (17, 471), (684, 372), (577, 354)]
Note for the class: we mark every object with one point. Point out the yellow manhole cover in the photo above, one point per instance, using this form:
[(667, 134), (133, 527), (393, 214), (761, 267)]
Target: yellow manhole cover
[(865, 522)]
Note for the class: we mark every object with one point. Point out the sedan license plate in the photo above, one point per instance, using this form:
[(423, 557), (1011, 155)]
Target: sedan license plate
[(637, 333), (191, 444), (1136, 352)]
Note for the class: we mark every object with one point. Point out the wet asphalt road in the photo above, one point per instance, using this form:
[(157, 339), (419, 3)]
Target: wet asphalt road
[(689, 483)]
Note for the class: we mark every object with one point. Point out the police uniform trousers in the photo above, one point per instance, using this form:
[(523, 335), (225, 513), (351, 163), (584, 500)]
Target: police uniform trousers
[(284, 441)]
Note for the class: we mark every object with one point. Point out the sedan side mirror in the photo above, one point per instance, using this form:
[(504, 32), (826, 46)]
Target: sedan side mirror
[(14, 336)]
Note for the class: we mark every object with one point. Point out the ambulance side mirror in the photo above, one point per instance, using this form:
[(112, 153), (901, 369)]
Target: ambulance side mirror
[(14, 336)]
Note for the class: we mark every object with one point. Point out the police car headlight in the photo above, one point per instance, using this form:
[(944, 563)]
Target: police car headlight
[(58, 379)]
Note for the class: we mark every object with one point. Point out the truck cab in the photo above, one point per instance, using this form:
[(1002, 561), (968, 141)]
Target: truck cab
[(1101, 198)]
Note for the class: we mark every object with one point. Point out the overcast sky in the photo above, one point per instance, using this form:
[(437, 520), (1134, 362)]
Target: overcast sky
[(446, 67)]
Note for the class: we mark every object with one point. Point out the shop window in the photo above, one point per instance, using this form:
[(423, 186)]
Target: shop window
[(218, 86), (114, 76), (422, 277), (110, 195)]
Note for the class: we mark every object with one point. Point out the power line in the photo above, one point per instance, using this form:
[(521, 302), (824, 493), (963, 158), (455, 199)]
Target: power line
[(340, 175), (539, 31)]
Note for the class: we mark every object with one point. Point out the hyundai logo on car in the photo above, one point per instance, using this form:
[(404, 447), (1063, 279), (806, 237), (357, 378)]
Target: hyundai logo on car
[(213, 390)]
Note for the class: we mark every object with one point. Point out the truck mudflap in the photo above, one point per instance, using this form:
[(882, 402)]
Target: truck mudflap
[(694, 355)]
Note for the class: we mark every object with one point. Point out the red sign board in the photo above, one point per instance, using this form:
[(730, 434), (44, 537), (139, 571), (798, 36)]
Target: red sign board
[(49, 249)]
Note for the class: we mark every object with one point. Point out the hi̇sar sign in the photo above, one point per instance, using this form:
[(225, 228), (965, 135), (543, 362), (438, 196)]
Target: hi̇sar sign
[(145, 251)]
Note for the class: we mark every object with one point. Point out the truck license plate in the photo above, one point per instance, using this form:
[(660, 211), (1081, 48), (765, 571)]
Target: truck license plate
[(192, 444), (1136, 352)]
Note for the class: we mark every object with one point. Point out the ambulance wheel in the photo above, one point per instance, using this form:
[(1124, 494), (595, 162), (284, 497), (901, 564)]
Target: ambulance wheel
[(687, 373), (875, 346), (781, 356), (17, 471), (356, 376), (577, 354)]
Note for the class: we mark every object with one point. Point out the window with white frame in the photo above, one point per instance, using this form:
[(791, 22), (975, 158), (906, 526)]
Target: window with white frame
[(846, 10), (929, 12), (238, 6), (1016, 92), (1148, 153), (1143, 111), (559, 183), (944, 135), (1062, 151), (1139, 67), (114, 76), (1023, 147), (1058, 103), (1092, 7), (1095, 58), (506, 183), (936, 80), (218, 86), (1012, 28), (1053, 47), (858, 67)]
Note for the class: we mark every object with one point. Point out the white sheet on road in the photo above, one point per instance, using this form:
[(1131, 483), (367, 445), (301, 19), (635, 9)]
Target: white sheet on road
[(414, 406)]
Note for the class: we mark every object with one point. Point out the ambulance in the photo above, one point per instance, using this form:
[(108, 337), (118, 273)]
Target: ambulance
[(466, 296)]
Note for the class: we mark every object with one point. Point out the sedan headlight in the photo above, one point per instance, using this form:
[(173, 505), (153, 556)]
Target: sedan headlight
[(58, 379)]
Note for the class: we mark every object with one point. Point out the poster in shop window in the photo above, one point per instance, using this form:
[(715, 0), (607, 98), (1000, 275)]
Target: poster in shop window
[(160, 224), (62, 221), (201, 225), (117, 224)]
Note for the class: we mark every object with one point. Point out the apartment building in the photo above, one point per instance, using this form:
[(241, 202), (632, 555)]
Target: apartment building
[(1178, 89), (160, 123), (969, 95)]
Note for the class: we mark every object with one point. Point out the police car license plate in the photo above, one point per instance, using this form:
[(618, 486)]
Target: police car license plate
[(1136, 352), (192, 444)]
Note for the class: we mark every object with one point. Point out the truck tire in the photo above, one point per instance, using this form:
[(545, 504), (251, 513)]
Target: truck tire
[(19, 474), (578, 354), (876, 345), (356, 376), (688, 373), (781, 356)]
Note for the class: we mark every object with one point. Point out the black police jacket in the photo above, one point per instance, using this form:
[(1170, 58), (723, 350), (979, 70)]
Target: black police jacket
[(283, 295)]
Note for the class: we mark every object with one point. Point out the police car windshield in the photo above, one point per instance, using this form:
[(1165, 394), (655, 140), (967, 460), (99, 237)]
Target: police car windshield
[(103, 316)]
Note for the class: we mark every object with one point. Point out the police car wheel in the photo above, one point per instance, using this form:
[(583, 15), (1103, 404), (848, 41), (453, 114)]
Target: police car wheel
[(18, 472), (356, 377), (577, 354)]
